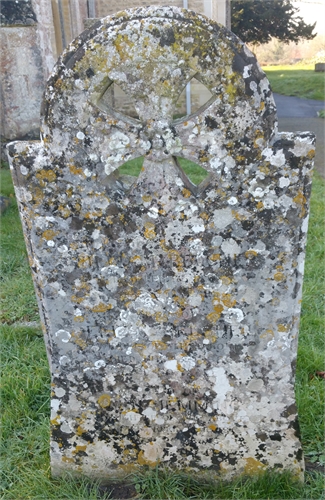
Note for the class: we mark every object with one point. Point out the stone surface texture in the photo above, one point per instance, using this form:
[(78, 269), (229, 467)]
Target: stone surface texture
[(17, 13), (22, 81), (26, 60), (170, 311)]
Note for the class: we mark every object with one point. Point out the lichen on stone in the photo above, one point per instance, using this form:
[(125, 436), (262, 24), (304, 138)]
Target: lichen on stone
[(170, 310)]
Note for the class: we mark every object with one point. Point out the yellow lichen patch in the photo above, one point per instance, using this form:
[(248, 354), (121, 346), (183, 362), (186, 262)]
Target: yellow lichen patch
[(265, 168), (58, 83), (79, 448), (225, 280), (204, 216), (283, 256), (134, 279), (149, 231), (267, 333), (162, 243), (140, 348), (218, 308), (55, 420), (143, 461), (180, 368), (237, 215), (213, 317), (250, 254), (310, 155), (135, 258), (259, 205), (93, 215), (104, 400), (301, 200), (146, 198), (77, 300), (127, 468), (283, 328), (252, 466), (179, 300), (101, 307), (210, 335), (84, 261), (37, 195), (227, 300), (186, 193), (134, 410), (175, 257), (77, 339), (223, 468), (80, 430), (231, 90), (279, 277), (258, 134), (46, 175), (160, 317), (213, 427), (49, 234), (75, 170), (78, 319), (215, 256), (83, 285), (159, 345), (123, 45), (64, 211), (191, 338)]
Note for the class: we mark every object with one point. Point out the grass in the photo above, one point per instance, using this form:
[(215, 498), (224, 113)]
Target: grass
[(162, 484), (296, 80), (25, 391), (194, 172)]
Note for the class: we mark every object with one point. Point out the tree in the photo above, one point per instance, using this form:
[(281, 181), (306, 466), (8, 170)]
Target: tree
[(258, 21)]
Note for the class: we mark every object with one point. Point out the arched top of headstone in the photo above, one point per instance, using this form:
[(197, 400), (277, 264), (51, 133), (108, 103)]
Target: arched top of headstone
[(151, 54)]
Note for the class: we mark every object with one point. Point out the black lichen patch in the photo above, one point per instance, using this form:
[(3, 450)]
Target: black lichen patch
[(290, 410), (276, 437), (167, 37), (211, 122)]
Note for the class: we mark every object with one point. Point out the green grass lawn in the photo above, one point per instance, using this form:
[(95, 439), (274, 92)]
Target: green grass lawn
[(296, 80), (194, 172), (25, 388)]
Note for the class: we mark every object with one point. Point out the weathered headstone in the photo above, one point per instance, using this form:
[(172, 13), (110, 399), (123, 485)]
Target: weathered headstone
[(170, 310)]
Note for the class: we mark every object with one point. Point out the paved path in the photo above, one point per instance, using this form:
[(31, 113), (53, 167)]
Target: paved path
[(296, 114), (296, 107)]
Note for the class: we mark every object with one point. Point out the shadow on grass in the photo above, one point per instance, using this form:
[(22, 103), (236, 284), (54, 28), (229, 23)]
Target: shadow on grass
[(161, 483)]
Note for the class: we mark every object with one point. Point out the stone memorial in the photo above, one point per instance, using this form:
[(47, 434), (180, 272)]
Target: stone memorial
[(170, 310)]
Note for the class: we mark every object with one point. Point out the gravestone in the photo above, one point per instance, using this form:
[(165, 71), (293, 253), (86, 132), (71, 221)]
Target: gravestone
[(170, 310)]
